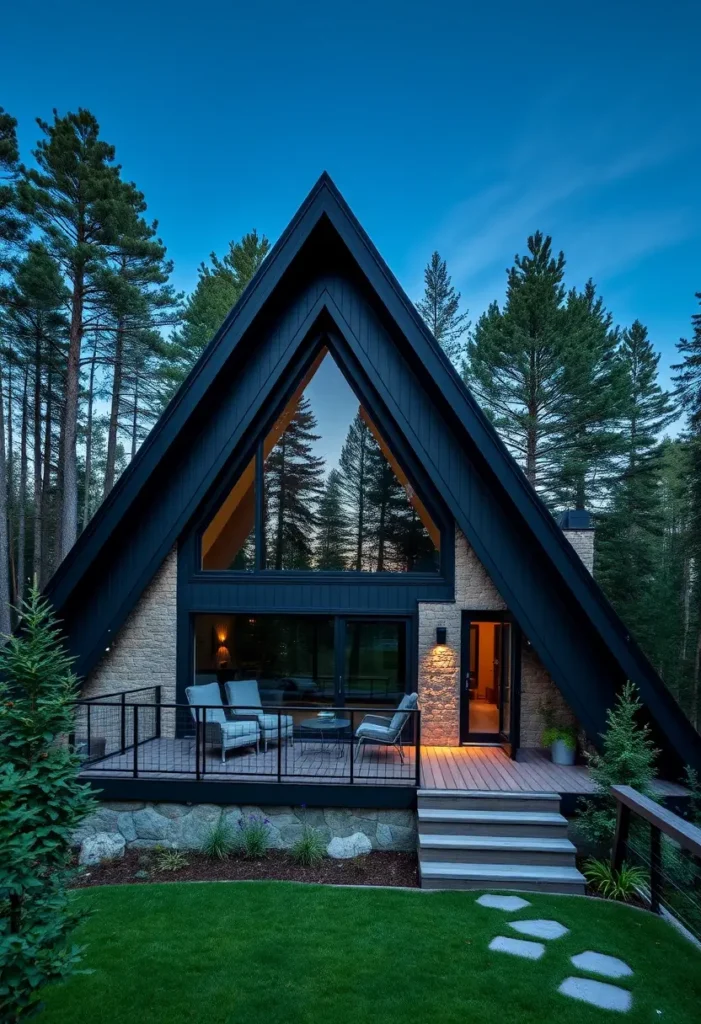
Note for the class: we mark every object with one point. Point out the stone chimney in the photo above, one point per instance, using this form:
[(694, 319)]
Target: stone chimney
[(578, 526)]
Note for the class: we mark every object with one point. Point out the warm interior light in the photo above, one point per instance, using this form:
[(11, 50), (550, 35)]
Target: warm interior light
[(223, 656), (441, 635)]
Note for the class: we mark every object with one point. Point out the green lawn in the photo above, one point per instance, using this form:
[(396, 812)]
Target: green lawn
[(274, 952)]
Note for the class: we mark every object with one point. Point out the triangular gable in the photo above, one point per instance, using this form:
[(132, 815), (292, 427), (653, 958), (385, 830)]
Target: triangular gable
[(569, 622)]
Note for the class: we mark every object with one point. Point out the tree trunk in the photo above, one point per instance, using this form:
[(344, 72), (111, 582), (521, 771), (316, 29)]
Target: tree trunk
[(4, 547), (36, 463), (46, 559), (10, 496), (114, 409), (135, 415), (22, 496), (69, 504), (279, 532), (88, 438)]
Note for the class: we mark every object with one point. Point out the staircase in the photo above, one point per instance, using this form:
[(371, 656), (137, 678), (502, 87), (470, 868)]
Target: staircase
[(474, 840)]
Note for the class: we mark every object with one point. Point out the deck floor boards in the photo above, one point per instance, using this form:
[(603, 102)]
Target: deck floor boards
[(462, 768)]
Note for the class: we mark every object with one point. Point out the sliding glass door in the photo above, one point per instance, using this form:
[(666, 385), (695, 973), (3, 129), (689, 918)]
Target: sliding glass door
[(307, 660)]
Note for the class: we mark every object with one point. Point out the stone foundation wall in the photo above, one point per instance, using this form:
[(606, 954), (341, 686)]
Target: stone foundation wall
[(185, 826)]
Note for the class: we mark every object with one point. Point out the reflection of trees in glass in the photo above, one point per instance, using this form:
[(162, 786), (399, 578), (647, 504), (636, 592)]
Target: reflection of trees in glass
[(333, 534), (355, 474), (293, 485)]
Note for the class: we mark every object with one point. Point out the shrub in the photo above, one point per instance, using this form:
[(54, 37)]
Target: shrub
[(171, 860), (620, 885), (252, 838), (41, 804), (627, 758), (567, 734), (310, 848), (221, 840)]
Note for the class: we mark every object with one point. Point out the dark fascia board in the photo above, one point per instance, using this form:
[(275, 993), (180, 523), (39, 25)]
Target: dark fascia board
[(457, 404)]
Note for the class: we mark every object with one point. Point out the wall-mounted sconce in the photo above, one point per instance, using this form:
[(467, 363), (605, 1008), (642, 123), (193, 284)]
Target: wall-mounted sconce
[(441, 636)]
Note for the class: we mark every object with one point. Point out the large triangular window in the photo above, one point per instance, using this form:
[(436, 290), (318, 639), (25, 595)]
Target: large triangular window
[(334, 496)]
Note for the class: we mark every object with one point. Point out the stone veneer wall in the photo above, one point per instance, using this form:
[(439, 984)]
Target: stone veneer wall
[(185, 826), (439, 667), (144, 651)]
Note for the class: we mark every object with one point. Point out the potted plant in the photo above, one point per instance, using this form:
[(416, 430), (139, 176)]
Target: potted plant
[(562, 740)]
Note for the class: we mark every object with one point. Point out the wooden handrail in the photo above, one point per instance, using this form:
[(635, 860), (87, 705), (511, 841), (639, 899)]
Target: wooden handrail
[(687, 835)]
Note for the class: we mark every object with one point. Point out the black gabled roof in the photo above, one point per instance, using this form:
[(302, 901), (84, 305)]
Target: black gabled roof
[(325, 206)]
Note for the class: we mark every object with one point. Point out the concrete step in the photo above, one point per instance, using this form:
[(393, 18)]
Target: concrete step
[(479, 800), (496, 850), (528, 877), (533, 824)]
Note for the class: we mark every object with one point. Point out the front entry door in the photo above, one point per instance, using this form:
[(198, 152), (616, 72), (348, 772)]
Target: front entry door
[(489, 679)]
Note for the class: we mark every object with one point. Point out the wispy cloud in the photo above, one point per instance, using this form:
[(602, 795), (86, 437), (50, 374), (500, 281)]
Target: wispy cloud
[(555, 184)]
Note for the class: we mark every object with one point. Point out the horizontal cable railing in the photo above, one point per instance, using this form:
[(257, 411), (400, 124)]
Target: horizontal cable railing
[(128, 735), (668, 850)]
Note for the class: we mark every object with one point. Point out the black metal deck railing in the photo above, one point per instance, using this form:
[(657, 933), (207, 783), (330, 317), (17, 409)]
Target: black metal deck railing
[(136, 735), (667, 848)]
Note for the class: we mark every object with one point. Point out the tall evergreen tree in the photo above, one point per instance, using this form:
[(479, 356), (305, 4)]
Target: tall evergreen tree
[(219, 287), (440, 309), (332, 534), (355, 469), (77, 199), (293, 486), (630, 532)]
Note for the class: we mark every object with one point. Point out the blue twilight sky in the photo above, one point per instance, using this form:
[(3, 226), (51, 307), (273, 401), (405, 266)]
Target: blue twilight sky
[(457, 126)]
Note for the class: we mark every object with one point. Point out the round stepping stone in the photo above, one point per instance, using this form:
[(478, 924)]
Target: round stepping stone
[(599, 963), (503, 902), (540, 929), (517, 947), (597, 993)]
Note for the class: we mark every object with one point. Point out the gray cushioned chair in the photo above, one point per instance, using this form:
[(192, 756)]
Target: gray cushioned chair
[(218, 729), (386, 731), (243, 694)]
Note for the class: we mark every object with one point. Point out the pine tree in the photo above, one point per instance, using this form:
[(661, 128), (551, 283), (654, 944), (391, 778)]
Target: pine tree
[(627, 758), (219, 287), (293, 486), (41, 805), (440, 309), (595, 383), (354, 466), (516, 359), (332, 535), (630, 531), (78, 200)]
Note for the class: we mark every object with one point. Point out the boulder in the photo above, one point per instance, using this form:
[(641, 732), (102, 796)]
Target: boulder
[(103, 846), (346, 847)]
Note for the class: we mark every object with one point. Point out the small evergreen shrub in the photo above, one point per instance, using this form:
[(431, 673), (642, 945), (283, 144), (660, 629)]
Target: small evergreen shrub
[(565, 734), (221, 840), (627, 758), (41, 804), (253, 834), (620, 885)]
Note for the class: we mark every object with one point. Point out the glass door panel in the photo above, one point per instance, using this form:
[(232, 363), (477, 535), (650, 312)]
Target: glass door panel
[(374, 664), (506, 680)]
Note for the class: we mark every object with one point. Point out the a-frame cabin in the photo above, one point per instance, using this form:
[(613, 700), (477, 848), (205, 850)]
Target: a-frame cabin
[(324, 514)]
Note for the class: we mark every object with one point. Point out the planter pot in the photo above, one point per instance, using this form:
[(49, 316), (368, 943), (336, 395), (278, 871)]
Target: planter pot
[(561, 753)]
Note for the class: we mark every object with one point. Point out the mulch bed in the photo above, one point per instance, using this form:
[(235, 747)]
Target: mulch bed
[(141, 866)]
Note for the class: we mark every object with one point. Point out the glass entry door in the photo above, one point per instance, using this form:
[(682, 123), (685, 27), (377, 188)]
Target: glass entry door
[(489, 671)]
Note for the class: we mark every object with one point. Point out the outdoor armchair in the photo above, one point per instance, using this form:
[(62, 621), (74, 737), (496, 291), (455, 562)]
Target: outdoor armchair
[(243, 694), (218, 729), (384, 730)]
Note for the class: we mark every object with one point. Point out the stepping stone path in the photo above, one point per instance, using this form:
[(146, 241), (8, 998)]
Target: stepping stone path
[(517, 947), (503, 902), (599, 963), (586, 990), (597, 993), (540, 929)]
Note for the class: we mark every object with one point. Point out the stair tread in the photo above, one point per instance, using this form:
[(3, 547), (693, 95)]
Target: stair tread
[(530, 843), (496, 872), (497, 817), (487, 794)]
